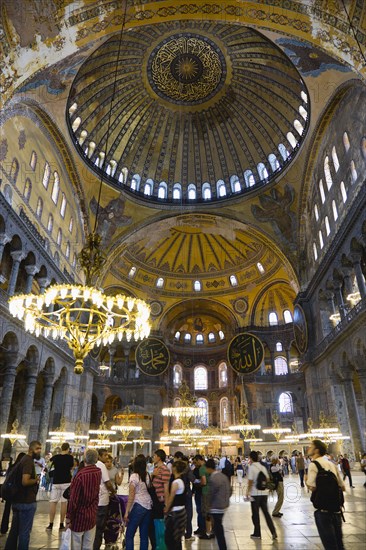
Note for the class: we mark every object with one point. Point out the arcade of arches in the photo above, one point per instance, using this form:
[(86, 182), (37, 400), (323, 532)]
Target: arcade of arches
[(233, 191)]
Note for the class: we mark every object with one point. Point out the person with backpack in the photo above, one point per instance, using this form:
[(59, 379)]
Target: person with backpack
[(277, 476), (24, 493), (326, 486), (6, 513), (257, 493)]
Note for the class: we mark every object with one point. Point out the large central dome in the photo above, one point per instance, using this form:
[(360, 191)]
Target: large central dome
[(202, 111)]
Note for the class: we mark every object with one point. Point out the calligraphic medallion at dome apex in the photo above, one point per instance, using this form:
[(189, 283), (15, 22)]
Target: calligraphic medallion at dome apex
[(152, 357), (245, 353)]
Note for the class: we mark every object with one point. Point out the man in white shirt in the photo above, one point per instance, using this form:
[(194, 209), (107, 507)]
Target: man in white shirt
[(258, 497), (329, 524), (106, 489)]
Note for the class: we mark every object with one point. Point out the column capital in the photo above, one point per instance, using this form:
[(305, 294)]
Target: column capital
[(355, 257), (31, 269), (11, 359), (17, 255), (4, 238)]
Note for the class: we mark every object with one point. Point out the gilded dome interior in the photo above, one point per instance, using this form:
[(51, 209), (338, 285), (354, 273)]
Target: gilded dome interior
[(202, 111)]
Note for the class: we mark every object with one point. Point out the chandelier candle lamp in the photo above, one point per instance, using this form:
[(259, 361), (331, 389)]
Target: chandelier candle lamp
[(276, 430), (14, 436)]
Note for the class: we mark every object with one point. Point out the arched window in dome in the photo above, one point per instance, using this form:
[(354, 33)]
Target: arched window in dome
[(298, 127), (33, 160), (291, 139), (74, 261), (249, 178), (273, 161), (221, 188), (76, 123), (281, 366), (27, 189), (71, 224), (39, 208), (211, 337), (327, 225), (322, 192), (203, 418), (287, 316), (260, 268), (315, 251), (56, 257), (90, 148), (304, 96), (160, 282), (46, 175), (327, 174), (56, 187), (303, 112), (111, 168), (273, 319), (200, 378), (335, 211), (279, 346), (192, 194), (199, 338), (206, 191), (224, 413), (285, 403), (262, 171), (283, 151), (177, 191), (14, 170), (132, 272), (177, 376), (346, 142), (148, 187), (50, 223), (63, 205), (100, 160), (67, 251), (187, 337), (73, 108), (197, 286), (123, 175), (353, 171), (221, 335), (233, 280), (235, 184), (177, 336), (335, 159), (162, 190), (135, 182), (321, 240), (59, 237), (82, 137), (363, 147), (343, 191), (316, 212), (223, 375)]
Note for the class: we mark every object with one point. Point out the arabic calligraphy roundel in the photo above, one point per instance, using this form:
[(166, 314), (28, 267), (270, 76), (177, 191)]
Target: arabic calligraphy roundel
[(245, 353), (300, 329), (152, 356)]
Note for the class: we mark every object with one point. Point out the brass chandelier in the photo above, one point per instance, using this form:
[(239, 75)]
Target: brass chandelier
[(82, 315)]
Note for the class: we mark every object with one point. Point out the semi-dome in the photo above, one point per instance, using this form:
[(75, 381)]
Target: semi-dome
[(202, 111)]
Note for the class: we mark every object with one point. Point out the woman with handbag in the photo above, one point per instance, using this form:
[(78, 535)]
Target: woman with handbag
[(176, 517), (138, 509)]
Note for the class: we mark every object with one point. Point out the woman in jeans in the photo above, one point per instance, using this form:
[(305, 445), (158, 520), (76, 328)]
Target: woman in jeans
[(138, 509), (175, 510)]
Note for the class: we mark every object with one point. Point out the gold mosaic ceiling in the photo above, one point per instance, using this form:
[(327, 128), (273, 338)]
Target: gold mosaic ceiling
[(195, 103)]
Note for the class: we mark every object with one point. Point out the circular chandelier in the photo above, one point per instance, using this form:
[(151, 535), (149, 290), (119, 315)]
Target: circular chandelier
[(182, 412)]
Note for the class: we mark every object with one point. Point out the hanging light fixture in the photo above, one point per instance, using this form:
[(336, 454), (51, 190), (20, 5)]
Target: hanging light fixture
[(14, 436), (276, 430), (244, 427), (82, 315)]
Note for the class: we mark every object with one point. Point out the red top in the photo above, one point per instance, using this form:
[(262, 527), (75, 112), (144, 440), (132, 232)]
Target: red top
[(161, 476), (84, 496)]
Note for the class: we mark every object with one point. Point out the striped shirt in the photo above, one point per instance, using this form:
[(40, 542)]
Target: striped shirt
[(84, 496), (161, 476)]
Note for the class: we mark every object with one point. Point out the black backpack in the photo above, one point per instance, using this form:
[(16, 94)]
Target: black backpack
[(328, 495), (264, 482), (12, 485), (228, 469)]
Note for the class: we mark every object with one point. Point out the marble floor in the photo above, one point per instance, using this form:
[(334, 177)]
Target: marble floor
[(296, 529)]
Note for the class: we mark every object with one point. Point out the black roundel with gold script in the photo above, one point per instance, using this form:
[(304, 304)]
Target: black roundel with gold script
[(245, 353), (152, 356)]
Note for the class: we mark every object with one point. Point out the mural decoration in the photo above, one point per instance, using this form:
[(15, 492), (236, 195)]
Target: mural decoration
[(110, 217), (310, 61), (152, 357), (275, 209), (22, 139), (245, 353), (3, 149)]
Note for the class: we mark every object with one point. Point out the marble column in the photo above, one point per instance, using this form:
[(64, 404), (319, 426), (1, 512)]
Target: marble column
[(31, 270), (46, 409), (11, 362), (43, 284), (357, 436), (28, 399), (339, 298), (3, 240), (17, 256), (356, 258)]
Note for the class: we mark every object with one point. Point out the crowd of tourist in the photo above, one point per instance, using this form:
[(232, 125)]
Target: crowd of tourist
[(161, 491)]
